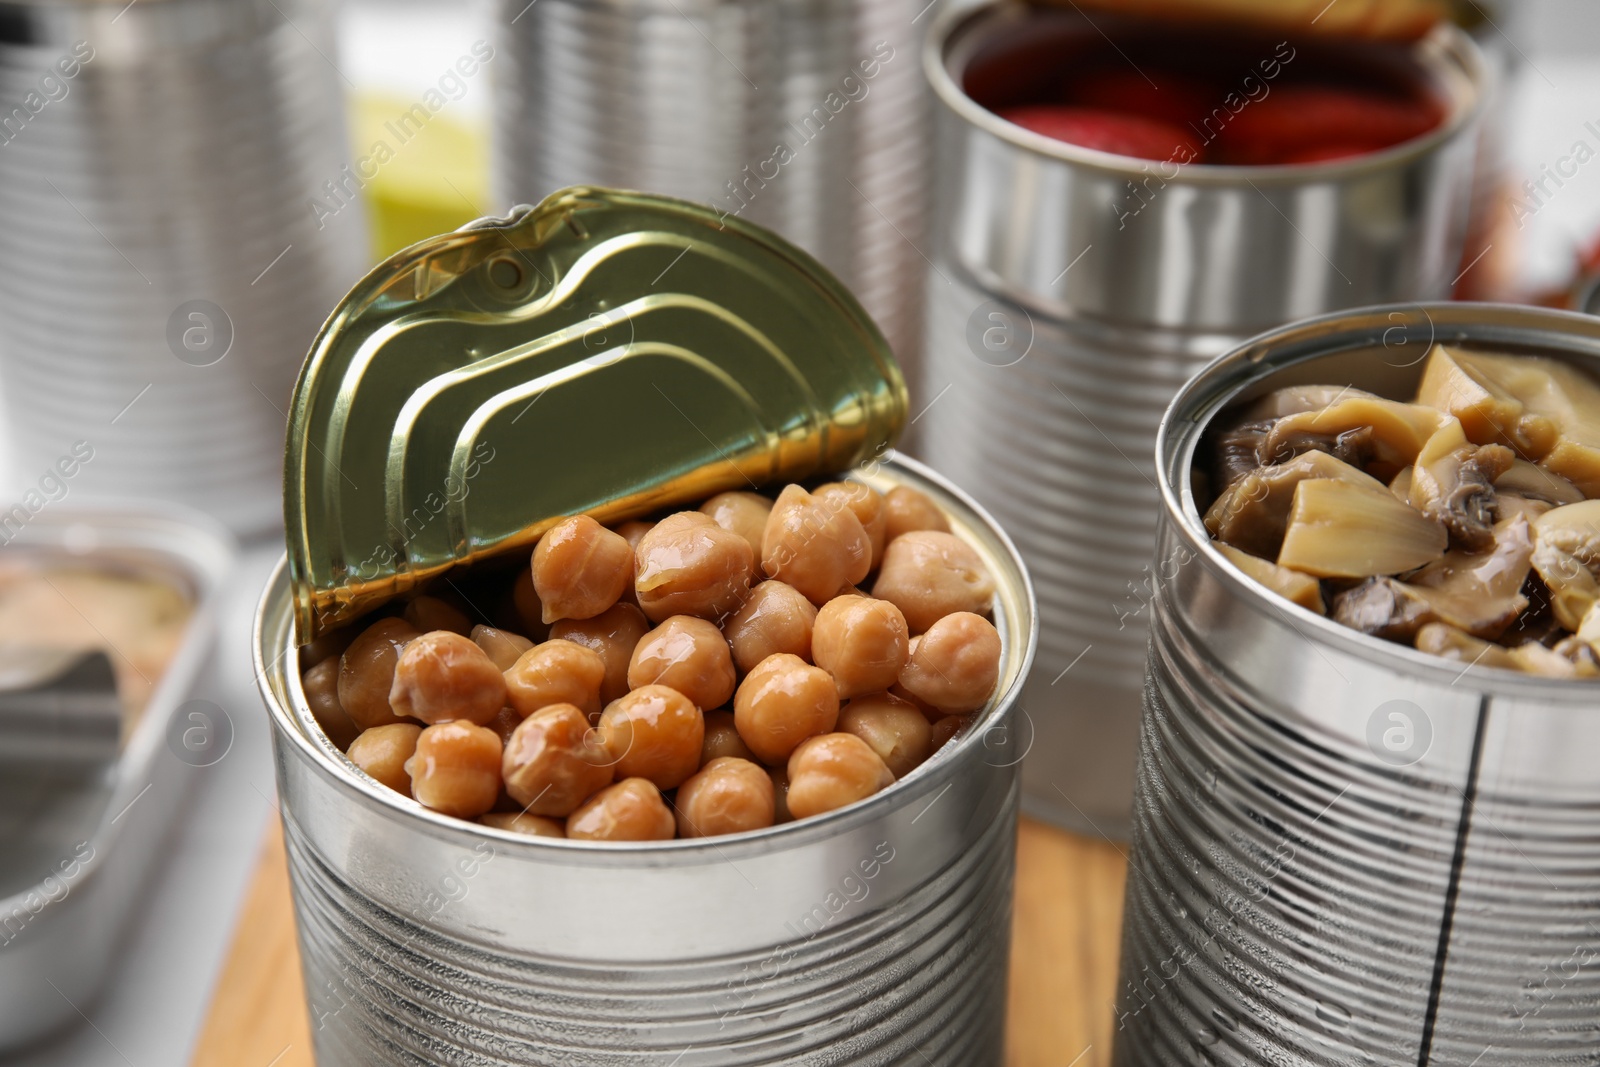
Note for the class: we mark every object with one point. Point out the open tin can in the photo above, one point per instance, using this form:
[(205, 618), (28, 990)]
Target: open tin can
[(1347, 851), (867, 935), (1073, 292)]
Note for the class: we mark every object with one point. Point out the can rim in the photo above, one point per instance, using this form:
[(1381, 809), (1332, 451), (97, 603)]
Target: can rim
[(784, 836), (1215, 385), (1448, 42)]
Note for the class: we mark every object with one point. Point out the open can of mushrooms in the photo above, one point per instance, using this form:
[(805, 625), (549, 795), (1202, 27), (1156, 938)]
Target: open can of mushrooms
[(498, 447), (1365, 818)]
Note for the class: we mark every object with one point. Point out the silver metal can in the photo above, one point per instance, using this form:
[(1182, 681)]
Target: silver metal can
[(809, 119), (1346, 851), (877, 934), (1071, 294), (170, 239)]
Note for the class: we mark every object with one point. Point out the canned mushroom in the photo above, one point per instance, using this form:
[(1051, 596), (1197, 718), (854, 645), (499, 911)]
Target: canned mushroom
[(662, 755)]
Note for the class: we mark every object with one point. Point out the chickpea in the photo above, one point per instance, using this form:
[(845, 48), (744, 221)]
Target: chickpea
[(815, 545), (781, 703), (867, 504), (722, 739), (688, 565), (554, 762), (580, 569), (526, 610), (427, 613), (456, 769), (442, 676), (726, 796), (522, 823), (501, 646), (330, 645), (633, 532), (862, 642), (631, 810), (775, 619), (780, 795), (928, 575), (383, 751), (940, 733), (831, 771), (906, 509), (613, 635), (898, 732), (655, 733), (556, 672), (505, 724), (321, 685), (689, 655), (955, 665), (366, 672), (743, 513)]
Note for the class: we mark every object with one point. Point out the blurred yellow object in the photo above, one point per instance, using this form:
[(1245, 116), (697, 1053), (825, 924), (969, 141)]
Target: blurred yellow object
[(1388, 19), (420, 174)]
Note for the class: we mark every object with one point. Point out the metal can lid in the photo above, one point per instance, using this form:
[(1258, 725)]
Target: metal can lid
[(605, 352)]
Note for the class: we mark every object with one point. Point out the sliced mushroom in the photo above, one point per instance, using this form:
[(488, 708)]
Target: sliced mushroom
[(1482, 391), (1397, 431), (1295, 399), (1254, 512), (1400, 485), (1344, 529), (1533, 482), (1238, 451), (1480, 593), (1439, 639), (1581, 653), (1453, 482), (1291, 585), (1566, 554)]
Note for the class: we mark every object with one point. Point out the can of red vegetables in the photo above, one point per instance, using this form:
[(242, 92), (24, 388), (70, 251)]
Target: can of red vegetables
[(1073, 290), (1347, 851), (629, 352)]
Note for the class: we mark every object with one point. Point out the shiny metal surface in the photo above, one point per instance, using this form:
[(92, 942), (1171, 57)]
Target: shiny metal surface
[(809, 118), (77, 850), (166, 264), (1307, 887), (1064, 316), (877, 934), (653, 352)]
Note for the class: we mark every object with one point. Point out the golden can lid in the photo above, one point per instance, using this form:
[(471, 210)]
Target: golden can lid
[(605, 352)]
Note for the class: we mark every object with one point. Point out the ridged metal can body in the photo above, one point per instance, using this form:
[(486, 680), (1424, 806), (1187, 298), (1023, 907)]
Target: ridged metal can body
[(1346, 851), (810, 119), (160, 167), (878, 934), (1071, 294)]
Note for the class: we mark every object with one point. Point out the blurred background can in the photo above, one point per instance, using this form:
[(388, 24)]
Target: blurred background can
[(1071, 293), (1346, 851), (810, 119), (176, 218), (873, 935)]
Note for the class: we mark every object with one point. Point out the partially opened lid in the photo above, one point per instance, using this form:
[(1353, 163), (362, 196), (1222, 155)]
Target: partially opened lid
[(605, 352)]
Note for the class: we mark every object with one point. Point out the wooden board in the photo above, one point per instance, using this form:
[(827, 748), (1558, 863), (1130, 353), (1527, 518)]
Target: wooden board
[(1063, 961)]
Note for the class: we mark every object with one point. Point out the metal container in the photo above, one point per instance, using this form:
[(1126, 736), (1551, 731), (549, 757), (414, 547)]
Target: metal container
[(1346, 851), (79, 846), (637, 352), (873, 935), (174, 224), (1072, 292), (810, 119)]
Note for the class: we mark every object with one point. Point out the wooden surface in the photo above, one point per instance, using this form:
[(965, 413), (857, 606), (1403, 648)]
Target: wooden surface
[(1063, 961)]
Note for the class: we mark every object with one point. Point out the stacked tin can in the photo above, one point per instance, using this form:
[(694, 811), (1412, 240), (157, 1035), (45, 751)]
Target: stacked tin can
[(174, 224), (809, 119), (1073, 292), (1347, 851)]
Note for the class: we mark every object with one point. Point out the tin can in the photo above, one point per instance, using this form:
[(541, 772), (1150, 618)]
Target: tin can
[(1346, 851), (71, 879), (808, 119), (1072, 292), (867, 936), (175, 223)]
